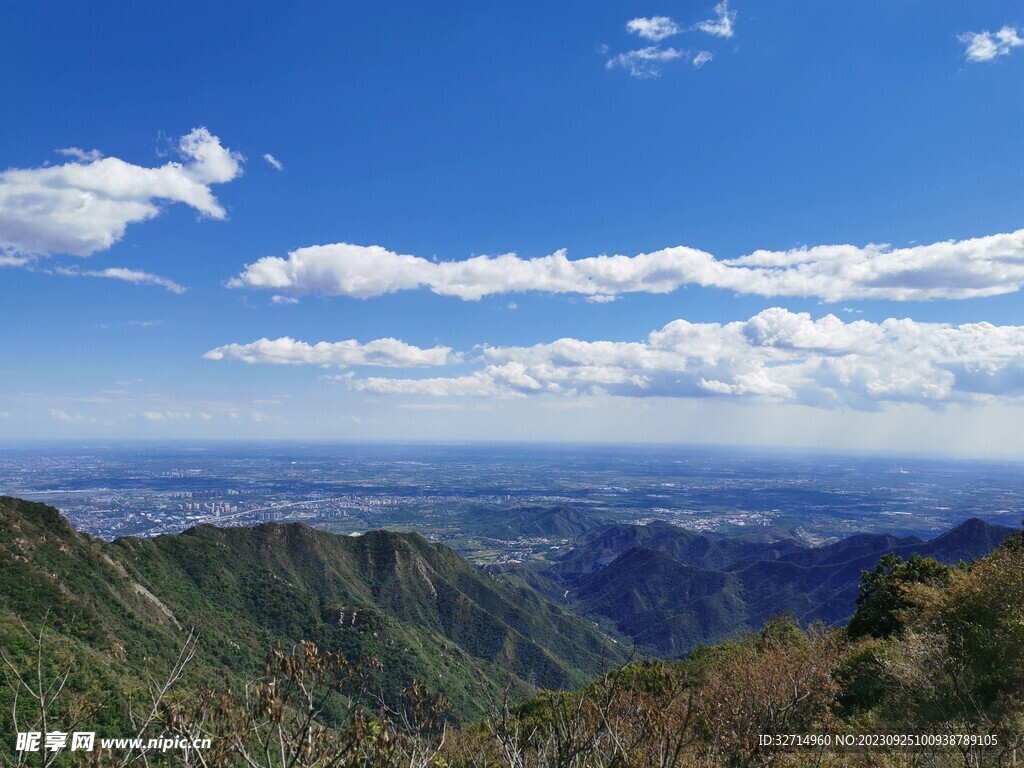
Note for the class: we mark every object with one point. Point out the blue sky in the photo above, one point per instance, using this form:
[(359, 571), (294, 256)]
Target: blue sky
[(442, 132)]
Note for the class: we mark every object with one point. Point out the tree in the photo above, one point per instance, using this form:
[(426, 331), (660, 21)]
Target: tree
[(777, 681), (884, 600)]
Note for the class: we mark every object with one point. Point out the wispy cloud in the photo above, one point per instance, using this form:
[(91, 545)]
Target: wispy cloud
[(987, 46), (85, 206), (722, 25), (167, 416), (645, 63), (964, 269), (648, 63), (381, 352), (655, 28), (273, 162), (134, 276), (777, 355), (70, 418), (702, 58), (80, 154)]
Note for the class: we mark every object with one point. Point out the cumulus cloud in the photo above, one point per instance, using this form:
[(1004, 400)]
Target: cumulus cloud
[(777, 355), (134, 276), (273, 162), (381, 352), (986, 46), (84, 206), (655, 28), (984, 266), (722, 24), (644, 63)]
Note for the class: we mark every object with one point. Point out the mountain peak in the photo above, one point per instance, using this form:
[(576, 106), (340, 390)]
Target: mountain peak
[(17, 514)]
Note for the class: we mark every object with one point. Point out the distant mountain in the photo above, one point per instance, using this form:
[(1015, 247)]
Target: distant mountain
[(660, 602), (849, 548), (968, 541), (599, 547), (670, 589), (419, 607), (555, 522)]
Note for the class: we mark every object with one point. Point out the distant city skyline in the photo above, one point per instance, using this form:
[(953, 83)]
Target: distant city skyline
[(723, 223)]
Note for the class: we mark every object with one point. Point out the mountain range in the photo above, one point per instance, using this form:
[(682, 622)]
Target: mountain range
[(669, 589), (418, 607), (426, 613)]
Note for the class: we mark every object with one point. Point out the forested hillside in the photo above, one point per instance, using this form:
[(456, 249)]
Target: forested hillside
[(385, 650), (124, 607)]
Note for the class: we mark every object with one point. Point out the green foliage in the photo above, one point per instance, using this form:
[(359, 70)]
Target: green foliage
[(883, 598), (932, 649), (981, 617), (427, 614), (861, 677)]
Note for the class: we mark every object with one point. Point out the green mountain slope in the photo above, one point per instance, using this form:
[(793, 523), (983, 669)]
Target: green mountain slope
[(418, 607), (662, 603)]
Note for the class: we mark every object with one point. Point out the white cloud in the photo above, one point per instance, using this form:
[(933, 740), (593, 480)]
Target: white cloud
[(82, 207), (777, 355), (278, 299), (273, 162), (986, 46), (168, 416), (80, 154), (722, 24), (383, 352), (645, 63), (499, 381), (4, 415), (984, 266), (135, 276), (702, 58), (70, 418), (655, 28), (8, 259)]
